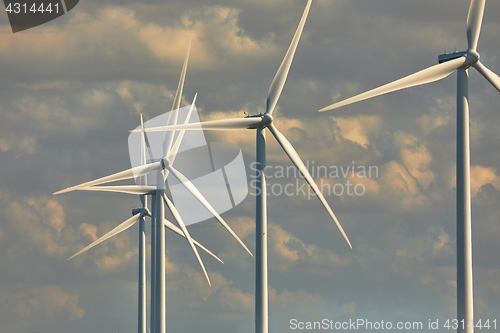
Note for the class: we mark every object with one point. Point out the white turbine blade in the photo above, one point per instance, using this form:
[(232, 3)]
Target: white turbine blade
[(488, 74), (168, 137), (144, 139), (294, 157), (197, 194), (127, 174), (178, 141), (122, 227), (474, 21), (178, 218), (179, 232), (427, 75), (143, 179), (143, 143), (280, 77), (128, 189), (178, 94), (223, 124)]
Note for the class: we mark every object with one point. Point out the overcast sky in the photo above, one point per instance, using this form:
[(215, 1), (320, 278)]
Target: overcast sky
[(71, 89)]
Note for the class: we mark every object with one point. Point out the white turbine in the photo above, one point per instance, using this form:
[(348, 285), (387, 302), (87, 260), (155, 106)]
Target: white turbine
[(162, 166), (448, 63), (138, 215), (260, 122)]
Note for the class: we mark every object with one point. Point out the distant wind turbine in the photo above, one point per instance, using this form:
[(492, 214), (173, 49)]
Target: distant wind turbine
[(260, 122), (448, 63), (163, 166), (138, 215)]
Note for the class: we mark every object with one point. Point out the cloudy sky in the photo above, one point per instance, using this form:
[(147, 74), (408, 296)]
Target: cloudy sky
[(71, 90)]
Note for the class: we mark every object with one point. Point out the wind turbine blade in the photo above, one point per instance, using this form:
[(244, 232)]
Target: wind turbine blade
[(179, 232), (168, 137), (178, 218), (122, 227), (143, 179), (280, 77), (143, 143), (474, 21), (197, 194), (427, 75), (294, 157), (128, 189), (178, 94), (488, 74), (127, 174), (178, 141), (146, 143), (223, 124)]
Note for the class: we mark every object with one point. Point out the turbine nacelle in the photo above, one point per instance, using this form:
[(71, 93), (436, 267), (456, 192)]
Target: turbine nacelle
[(471, 57), (266, 120), (451, 56), (163, 161), (257, 125)]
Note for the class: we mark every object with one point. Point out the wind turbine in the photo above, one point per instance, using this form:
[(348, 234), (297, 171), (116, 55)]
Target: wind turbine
[(448, 63), (138, 215), (260, 122), (162, 166)]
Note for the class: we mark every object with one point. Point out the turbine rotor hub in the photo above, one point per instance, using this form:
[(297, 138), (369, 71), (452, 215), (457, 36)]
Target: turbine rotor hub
[(471, 58), (144, 211), (164, 162), (267, 119)]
